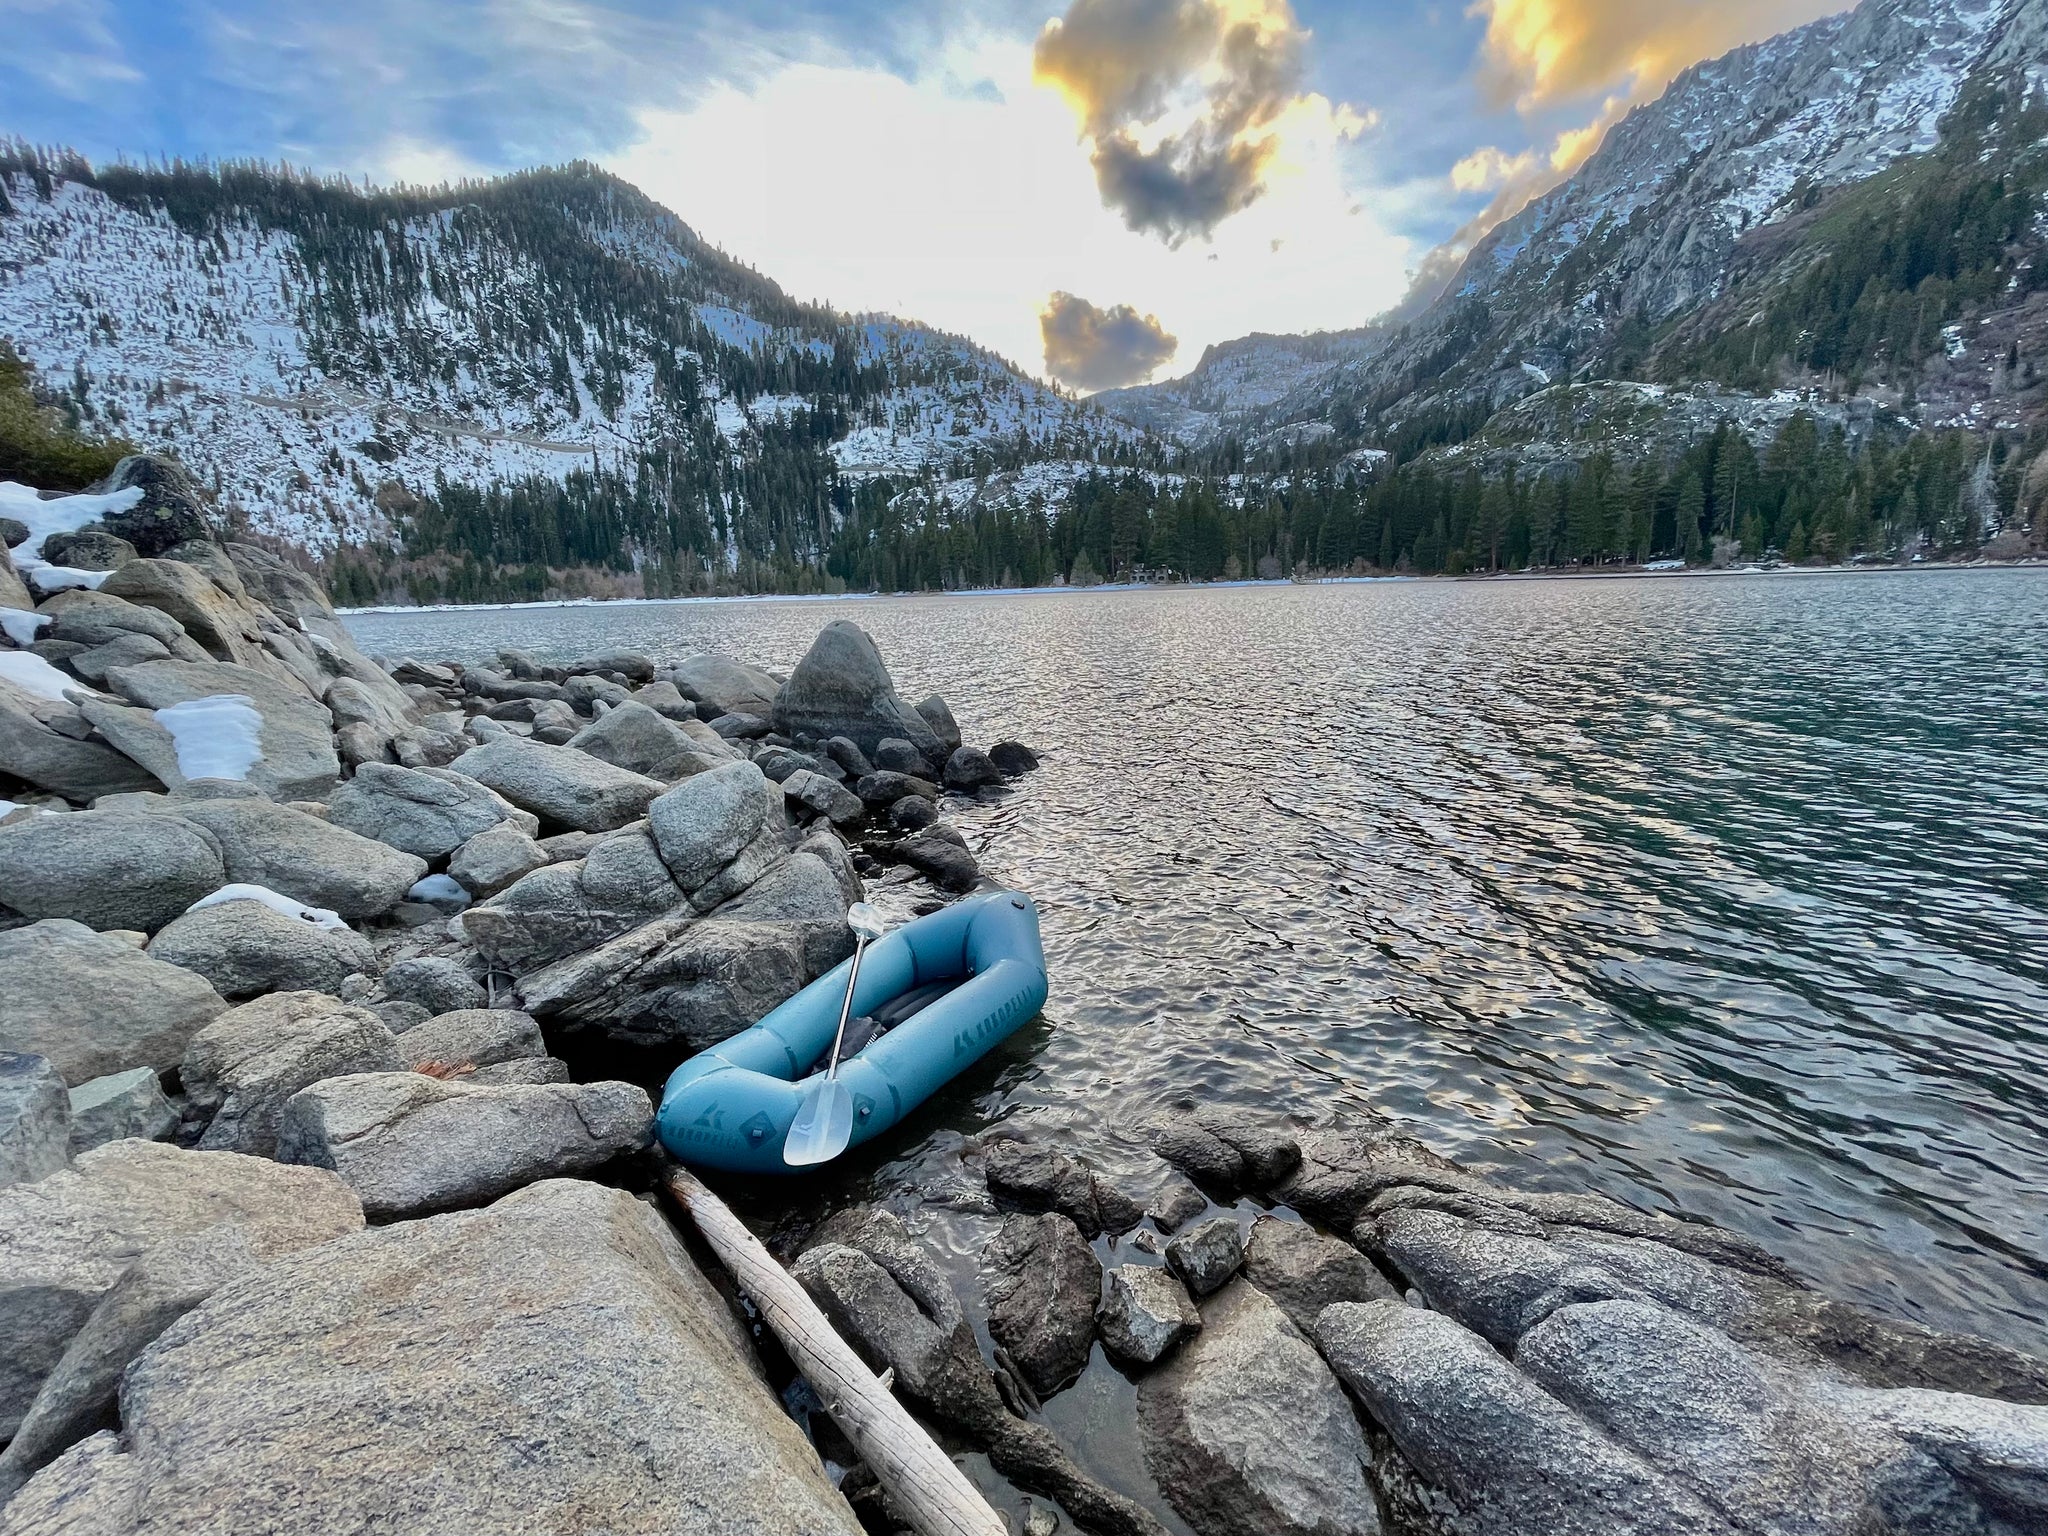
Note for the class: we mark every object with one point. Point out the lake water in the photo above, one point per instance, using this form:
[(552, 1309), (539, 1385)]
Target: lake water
[(1726, 896)]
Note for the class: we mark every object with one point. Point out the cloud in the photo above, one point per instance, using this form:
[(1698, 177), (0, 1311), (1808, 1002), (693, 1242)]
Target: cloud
[(1186, 104), (1544, 55), (67, 46), (1091, 348)]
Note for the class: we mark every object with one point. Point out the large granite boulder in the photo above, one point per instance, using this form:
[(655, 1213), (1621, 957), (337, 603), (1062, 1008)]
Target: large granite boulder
[(108, 869), (1248, 1433), (553, 913), (554, 1362), (438, 983), (301, 856), (634, 737), (296, 736), (841, 688), (222, 622), (95, 1004), (34, 750), (168, 512), (65, 1239), (706, 822), (561, 786), (495, 859), (248, 947), (729, 687), (1042, 1281), (241, 1069), (409, 1144), (35, 1118), (469, 1038), (121, 1105), (429, 812)]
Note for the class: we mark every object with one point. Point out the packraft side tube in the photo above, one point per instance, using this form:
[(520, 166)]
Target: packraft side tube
[(731, 1106)]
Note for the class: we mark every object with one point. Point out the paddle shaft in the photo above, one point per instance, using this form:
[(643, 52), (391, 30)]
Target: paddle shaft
[(860, 947)]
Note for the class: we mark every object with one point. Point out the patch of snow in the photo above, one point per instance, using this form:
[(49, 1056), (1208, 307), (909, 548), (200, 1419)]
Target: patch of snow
[(1540, 375), (64, 514), (36, 676), (318, 917), (52, 579), (21, 626), (440, 890), (217, 737)]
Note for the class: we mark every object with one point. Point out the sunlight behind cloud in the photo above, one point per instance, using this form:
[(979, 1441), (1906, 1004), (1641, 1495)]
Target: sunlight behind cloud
[(963, 200)]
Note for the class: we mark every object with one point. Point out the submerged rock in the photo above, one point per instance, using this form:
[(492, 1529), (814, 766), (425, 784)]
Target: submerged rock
[(1041, 1282), (95, 1004)]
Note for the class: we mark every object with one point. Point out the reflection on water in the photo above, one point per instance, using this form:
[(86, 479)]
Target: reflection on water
[(1724, 896)]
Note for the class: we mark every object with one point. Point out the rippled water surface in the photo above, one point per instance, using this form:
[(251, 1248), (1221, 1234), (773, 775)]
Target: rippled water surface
[(1719, 895)]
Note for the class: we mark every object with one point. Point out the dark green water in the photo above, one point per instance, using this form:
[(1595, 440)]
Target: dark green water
[(1725, 895)]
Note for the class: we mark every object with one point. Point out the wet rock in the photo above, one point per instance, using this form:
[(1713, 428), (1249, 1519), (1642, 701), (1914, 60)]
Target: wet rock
[(1304, 1271), (297, 734), (1207, 1255), (429, 812), (1041, 1283), (969, 769), (305, 858), (108, 869), (617, 1395), (65, 1239), (913, 813), (245, 948), (496, 858), (730, 687), (1503, 1455), (634, 737), (895, 755), (887, 787), (821, 797), (846, 752), (118, 1106), (1341, 1172), (169, 512), (35, 1120), (1176, 1203), (437, 983), (940, 859), (472, 1037), (1248, 1434), (841, 688), (1026, 1175), (560, 785), (1145, 1312), (242, 1068), (1012, 758), (409, 1144), (94, 1004), (937, 714), (167, 1281)]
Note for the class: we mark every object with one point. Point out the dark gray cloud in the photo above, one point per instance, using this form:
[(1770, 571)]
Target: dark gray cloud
[(1126, 65), (1091, 348)]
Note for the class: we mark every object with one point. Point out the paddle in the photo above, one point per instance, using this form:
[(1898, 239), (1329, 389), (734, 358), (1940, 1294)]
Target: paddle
[(824, 1120)]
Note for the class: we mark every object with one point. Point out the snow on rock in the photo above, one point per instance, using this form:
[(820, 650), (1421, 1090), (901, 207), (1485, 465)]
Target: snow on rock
[(217, 737), (21, 626), (48, 580), (441, 891), (62, 514), (318, 917), (36, 676)]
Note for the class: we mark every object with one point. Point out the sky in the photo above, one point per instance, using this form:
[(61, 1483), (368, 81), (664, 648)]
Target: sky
[(1096, 189)]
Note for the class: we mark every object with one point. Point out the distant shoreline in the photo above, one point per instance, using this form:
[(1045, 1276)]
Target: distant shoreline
[(1636, 572)]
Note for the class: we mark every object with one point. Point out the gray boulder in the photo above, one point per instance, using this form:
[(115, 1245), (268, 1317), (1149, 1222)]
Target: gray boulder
[(1303, 1271), (666, 700), (1041, 1282), (305, 858), (437, 983), (969, 769), (496, 858), (35, 1119), (634, 737), (1248, 1434), (297, 734), (1031, 1176), (729, 687), (94, 619), (409, 1144), (809, 891), (241, 1069), (1144, 1313), (472, 1037), (1176, 1203), (430, 812), (521, 1069), (555, 1362), (821, 797), (88, 549), (895, 755), (245, 948), (938, 714), (95, 1004), (34, 750), (706, 822), (108, 869), (841, 688), (561, 786), (1207, 1255), (118, 1106), (551, 914), (127, 651), (941, 859), (169, 512), (1498, 1453), (65, 1239), (847, 754)]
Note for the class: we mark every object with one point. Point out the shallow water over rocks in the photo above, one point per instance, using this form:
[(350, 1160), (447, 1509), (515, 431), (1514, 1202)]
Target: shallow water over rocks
[(1726, 896)]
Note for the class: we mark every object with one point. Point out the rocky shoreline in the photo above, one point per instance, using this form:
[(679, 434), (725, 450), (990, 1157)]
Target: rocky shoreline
[(331, 992)]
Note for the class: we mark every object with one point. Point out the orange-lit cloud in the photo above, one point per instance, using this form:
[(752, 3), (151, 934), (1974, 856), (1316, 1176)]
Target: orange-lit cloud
[(1092, 348)]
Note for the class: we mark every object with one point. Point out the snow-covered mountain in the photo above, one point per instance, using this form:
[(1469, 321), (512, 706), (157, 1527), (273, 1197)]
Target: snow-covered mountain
[(326, 356), (1697, 212)]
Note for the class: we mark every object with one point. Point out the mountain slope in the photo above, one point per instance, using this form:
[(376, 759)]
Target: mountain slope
[(1653, 261), (365, 369)]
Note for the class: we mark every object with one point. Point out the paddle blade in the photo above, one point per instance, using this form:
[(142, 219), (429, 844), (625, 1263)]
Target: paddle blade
[(823, 1124)]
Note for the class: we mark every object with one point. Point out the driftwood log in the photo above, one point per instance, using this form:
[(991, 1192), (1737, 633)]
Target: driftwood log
[(921, 1480)]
